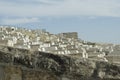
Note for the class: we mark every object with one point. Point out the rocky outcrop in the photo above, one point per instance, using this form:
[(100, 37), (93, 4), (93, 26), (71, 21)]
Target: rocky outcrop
[(21, 64)]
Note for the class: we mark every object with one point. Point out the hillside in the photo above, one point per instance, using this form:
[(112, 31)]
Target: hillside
[(22, 64), (67, 43)]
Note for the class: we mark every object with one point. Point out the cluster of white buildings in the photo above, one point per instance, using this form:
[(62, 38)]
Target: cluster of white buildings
[(63, 43)]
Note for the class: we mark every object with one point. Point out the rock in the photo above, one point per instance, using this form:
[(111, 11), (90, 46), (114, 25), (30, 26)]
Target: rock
[(37, 65)]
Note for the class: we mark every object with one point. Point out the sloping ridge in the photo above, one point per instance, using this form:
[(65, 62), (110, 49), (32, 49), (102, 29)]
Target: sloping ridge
[(58, 67)]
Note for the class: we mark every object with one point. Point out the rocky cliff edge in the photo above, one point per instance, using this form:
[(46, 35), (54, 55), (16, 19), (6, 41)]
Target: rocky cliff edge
[(56, 67)]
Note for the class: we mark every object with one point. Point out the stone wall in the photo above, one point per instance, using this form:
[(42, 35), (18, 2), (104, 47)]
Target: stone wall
[(2, 73), (11, 72), (37, 75), (113, 59), (71, 35)]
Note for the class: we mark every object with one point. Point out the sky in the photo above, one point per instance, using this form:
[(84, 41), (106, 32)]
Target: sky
[(94, 20)]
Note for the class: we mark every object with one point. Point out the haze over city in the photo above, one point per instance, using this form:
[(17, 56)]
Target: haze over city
[(94, 20)]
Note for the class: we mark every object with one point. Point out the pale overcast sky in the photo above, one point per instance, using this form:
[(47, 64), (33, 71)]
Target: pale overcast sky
[(94, 20)]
